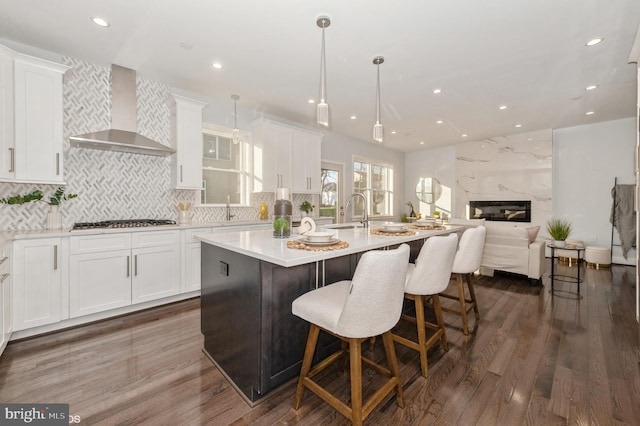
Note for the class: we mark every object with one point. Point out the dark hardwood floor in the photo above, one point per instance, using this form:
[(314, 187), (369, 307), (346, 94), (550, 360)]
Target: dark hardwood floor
[(532, 359)]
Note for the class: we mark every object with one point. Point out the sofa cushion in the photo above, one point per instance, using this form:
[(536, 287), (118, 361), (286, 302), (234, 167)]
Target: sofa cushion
[(533, 233), (507, 231)]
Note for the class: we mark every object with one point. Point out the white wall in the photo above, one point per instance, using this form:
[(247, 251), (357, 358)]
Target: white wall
[(586, 160)]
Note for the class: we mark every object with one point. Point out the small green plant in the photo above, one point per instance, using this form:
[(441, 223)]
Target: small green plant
[(436, 213), (559, 229), (306, 207), (36, 195)]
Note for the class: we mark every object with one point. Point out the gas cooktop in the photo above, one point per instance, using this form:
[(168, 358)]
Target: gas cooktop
[(126, 223)]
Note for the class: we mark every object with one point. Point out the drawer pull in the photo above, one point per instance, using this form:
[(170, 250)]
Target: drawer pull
[(12, 168), (128, 266), (135, 261), (55, 257), (58, 164)]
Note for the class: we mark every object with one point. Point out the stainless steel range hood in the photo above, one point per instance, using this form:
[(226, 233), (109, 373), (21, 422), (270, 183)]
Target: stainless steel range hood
[(123, 135)]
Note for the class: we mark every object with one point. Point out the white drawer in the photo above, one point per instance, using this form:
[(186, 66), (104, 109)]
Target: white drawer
[(155, 238), (103, 242), (191, 233)]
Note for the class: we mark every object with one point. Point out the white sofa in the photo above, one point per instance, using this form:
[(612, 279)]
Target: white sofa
[(513, 249)]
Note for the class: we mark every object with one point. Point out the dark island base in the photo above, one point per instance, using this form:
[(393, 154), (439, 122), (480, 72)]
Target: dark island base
[(247, 323)]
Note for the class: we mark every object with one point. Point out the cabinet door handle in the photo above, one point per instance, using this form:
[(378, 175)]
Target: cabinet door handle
[(180, 173), (55, 257), (3, 277), (128, 266), (57, 164), (135, 265), (12, 168)]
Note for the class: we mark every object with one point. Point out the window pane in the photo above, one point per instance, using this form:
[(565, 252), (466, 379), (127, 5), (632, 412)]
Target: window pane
[(218, 184), (375, 182)]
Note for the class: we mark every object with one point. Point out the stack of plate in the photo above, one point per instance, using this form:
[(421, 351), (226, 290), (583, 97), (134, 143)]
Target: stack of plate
[(319, 238), (393, 227), (426, 222)]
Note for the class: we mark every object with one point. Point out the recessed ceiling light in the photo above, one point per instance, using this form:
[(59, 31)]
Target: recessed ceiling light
[(594, 41), (186, 45), (421, 142), (464, 135), (593, 86), (101, 22), (393, 132), (217, 65), (311, 101), (353, 117), (589, 113), (502, 107), (518, 125), (439, 122), (436, 91)]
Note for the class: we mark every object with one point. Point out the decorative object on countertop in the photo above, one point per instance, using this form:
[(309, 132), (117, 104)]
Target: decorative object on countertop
[(306, 207), (264, 211), (300, 245), (282, 214), (413, 213), (559, 230), (392, 234), (184, 213), (306, 225)]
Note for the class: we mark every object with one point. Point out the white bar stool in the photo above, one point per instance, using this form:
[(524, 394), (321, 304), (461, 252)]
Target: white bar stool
[(467, 261), (429, 276), (354, 311)]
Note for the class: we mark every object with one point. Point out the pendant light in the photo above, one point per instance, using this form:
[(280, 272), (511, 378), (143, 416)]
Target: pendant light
[(377, 128), (322, 111), (235, 132)]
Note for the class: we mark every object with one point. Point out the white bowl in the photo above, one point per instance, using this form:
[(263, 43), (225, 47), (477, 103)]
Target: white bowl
[(394, 227), (319, 237)]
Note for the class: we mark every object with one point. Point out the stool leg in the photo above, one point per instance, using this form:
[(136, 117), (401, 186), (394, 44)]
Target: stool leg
[(422, 334), (356, 381), (314, 331), (390, 350), (472, 293), (438, 311), (463, 305)]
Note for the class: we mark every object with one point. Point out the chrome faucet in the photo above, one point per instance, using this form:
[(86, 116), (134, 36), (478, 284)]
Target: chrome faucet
[(365, 216), (229, 215)]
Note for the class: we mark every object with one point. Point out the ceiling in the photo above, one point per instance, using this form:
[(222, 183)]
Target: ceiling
[(527, 55)]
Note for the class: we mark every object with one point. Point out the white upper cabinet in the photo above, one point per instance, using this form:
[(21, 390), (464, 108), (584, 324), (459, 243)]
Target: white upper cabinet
[(285, 157), (186, 139), (7, 145), (38, 120)]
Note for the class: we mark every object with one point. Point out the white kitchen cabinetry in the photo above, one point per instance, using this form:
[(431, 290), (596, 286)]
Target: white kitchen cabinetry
[(117, 270), (186, 139), (306, 163), (38, 120), (7, 145), (191, 259), (156, 265), (99, 273), (5, 297), (36, 283), (285, 157)]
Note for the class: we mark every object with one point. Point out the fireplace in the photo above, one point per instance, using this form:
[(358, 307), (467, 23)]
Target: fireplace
[(504, 211)]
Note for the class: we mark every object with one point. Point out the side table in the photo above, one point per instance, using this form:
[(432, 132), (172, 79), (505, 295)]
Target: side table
[(565, 278)]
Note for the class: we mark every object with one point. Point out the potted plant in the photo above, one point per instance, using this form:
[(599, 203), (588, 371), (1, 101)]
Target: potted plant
[(306, 207), (559, 230), (54, 216)]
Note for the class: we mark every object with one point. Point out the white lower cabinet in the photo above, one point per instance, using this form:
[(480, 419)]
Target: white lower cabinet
[(191, 259), (36, 283), (116, 270), (6, 319)]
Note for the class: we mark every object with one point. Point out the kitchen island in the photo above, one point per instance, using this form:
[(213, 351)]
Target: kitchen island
[(250, 279)]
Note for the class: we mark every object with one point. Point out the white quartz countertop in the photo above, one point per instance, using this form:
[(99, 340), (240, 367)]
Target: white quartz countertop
[(68, 232), (261, 244)]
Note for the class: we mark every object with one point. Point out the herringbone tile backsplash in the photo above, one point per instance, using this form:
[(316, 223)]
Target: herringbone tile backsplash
[(112, 185)]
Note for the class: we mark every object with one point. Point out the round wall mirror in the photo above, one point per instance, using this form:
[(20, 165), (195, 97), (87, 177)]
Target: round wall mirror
[(428, 190)]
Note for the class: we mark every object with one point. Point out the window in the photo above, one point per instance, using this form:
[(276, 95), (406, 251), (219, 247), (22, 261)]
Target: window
[(224, 171), (375, 181)]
